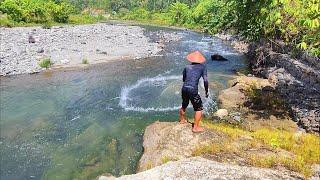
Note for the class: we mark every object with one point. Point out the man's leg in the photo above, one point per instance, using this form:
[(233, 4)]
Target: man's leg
[(182, 113), (198, 107), (197, 119), (185, 103)]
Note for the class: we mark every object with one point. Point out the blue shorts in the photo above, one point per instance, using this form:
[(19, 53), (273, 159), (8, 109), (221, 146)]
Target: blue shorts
[(189, 94)]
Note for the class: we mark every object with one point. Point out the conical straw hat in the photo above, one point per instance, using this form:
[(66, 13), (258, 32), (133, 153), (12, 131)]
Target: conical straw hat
[(196, 57)]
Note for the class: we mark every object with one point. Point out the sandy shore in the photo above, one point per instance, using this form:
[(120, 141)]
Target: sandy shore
[(68, 46)]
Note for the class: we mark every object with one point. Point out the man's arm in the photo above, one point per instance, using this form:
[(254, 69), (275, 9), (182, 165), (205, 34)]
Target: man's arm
[(184, 74), (205, 80)]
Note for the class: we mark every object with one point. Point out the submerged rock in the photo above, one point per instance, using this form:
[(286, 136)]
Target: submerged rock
[(217, 57)]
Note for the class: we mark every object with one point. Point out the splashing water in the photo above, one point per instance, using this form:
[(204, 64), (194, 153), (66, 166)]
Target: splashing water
[(126, 99), (77, 124)]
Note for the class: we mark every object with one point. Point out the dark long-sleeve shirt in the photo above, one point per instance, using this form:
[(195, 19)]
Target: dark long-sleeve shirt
[(191, 75)]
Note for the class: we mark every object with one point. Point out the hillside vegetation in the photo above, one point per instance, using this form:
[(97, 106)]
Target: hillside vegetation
[(294, 22)]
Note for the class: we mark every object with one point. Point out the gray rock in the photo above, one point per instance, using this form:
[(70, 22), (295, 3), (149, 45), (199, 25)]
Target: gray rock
[(40, 50), (172, 141), (199, 168)]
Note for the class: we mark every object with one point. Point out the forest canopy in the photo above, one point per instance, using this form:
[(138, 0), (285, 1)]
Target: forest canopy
[(294, 22)]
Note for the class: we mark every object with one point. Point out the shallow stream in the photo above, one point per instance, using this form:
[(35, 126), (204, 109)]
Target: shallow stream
[(79, 124)]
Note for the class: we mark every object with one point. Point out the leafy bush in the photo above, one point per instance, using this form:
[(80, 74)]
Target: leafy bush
[(214, 15), (179, 13), (85, 61), (84, 19), (45, 63), (292, 21), (35, 11), (46, 25), (4, 21), (61, 12), (138, 14)]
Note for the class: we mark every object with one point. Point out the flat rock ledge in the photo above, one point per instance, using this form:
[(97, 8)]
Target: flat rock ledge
[(168, 148), (200, 168), (165, 141)]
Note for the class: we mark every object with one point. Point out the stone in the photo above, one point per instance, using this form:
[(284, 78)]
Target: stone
[(221, 113), (231, 98), (106, 176), (217, 57), (200, 168), (31, 39), (295, 79), (171, 140), (316, 172), (40, 50), (65, 61)]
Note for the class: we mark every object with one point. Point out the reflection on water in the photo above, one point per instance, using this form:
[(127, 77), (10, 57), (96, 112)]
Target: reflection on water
[(82, 123)]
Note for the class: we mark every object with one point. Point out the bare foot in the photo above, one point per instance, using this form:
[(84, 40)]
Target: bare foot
[(183, 121), (197, 129)]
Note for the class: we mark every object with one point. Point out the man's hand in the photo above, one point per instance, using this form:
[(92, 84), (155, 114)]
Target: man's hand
[(207, 94)]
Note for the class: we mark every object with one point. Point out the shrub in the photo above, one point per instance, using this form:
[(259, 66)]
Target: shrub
[(138, 14), (85, 61), (46, 25), (214, 15), (37, 11), (4, 21), (61, 12), (179, 13), (82, 19), (45, 63)]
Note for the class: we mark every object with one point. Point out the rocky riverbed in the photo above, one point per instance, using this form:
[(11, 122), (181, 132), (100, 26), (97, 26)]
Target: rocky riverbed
[(22, 48)]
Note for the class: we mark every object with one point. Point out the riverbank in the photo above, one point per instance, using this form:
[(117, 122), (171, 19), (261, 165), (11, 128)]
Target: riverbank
[(23, 48), (256, 134), (293, 74)]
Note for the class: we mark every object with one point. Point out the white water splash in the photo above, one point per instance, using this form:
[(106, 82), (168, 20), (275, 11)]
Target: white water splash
[(209, 105), (125, 94)]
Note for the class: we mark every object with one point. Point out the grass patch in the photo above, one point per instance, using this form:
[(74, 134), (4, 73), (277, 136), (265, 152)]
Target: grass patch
[(85, 61), (166, 159), (47, 25), (85, 19), (265, 147), (45, 63), (73, 19), (5, 22)]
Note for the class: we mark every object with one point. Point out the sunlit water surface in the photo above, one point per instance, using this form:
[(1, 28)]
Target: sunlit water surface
[(81, 123)]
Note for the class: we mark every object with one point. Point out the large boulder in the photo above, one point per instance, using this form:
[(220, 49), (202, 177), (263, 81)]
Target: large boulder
[(200, 168), (234, 96), (218, 57), (165, 141), (221, 113)]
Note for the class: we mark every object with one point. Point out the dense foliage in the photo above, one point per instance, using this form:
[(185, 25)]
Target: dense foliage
[(37, 11), (294, 22)]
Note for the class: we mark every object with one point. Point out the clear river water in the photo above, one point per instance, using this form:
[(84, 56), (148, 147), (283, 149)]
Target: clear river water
[(78, 124)]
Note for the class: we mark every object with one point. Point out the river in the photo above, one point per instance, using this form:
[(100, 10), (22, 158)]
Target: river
[(78, 124)]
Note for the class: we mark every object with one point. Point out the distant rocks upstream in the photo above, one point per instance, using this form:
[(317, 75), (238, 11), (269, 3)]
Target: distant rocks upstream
[(22, 48)]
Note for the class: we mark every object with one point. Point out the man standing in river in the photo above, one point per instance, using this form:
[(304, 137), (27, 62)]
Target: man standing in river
[(191, 75)]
